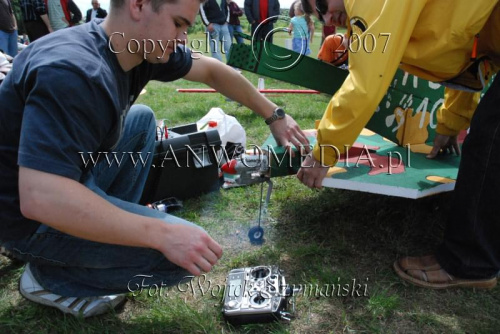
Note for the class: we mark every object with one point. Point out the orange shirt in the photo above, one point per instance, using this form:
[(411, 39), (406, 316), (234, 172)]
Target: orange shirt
[(334, 50)]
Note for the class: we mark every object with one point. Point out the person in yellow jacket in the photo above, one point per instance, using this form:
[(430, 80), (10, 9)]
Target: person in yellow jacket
[(460, 50)]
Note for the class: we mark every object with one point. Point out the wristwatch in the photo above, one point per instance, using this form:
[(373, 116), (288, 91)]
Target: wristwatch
[(278, 113)]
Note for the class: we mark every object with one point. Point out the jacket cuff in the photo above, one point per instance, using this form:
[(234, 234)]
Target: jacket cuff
[(326, 155), (450, 124), (445, 131)]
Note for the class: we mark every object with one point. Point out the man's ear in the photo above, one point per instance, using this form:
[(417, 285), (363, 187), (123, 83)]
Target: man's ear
[(136, 8)]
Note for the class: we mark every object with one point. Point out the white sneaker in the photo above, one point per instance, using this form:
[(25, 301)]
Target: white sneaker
[(77, 306)]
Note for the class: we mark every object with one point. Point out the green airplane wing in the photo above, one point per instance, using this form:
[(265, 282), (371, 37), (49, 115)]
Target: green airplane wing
[(387, 158)]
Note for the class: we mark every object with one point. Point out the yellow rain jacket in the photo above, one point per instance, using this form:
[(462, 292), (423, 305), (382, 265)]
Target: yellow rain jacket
[(432, 39)]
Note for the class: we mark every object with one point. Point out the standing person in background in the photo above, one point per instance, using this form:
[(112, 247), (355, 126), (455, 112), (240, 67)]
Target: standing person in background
[(36, 20), (63, 13), (96, 12), (215, 16), (8, 29), (234, 21), (302, 28), (258, 12)]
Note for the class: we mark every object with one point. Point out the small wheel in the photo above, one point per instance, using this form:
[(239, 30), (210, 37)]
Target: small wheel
[(256, 235)]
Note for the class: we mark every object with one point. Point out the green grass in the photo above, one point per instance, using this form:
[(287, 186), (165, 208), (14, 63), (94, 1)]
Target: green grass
[(327, 237)]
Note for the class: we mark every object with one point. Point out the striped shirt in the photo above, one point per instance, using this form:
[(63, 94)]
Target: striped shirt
[(32, 9)]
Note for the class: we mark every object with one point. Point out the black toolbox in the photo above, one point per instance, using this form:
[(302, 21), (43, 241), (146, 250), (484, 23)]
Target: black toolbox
[(184, 164)]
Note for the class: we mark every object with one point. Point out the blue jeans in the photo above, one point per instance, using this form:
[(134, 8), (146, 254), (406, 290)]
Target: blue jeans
[(471, 246), (235, 27), (219, 36), (71, 266), (301, 45), (8, 42)]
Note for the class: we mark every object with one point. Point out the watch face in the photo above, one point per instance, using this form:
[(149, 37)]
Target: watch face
[(277, 114)]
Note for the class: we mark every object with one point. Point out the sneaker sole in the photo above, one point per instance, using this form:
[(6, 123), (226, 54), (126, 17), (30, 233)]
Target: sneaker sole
[(97, 310)]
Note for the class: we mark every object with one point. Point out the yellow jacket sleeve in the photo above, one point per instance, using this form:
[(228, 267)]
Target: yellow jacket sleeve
[(456, 112), (370, 72)]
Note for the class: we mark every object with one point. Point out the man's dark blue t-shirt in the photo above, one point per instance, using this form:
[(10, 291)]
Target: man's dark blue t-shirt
[(66, 94)]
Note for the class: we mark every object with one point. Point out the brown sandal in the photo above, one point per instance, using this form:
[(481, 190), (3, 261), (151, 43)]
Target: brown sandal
[(426, 272)]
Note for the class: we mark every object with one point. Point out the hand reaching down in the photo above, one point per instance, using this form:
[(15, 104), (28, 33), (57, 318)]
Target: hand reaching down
[(191, 248), (444, 144)]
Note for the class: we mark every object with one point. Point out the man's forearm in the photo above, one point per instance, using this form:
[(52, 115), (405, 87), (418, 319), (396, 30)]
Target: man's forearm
[(70, 207), (234, 85), (238, 88), (231, 84)]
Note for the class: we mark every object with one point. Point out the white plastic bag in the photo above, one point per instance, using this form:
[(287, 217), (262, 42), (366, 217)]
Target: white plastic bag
[(230, 130)]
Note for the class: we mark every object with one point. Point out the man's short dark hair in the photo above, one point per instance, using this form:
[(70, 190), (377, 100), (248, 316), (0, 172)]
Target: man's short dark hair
[(156, 3)]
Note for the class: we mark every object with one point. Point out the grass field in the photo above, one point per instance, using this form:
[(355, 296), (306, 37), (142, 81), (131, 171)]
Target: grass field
[(317, 237)]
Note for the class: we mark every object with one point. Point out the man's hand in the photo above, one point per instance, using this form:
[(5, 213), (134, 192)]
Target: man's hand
[(287, 132), (446, 144), (312, 172), (210, 27), (191, 248)]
